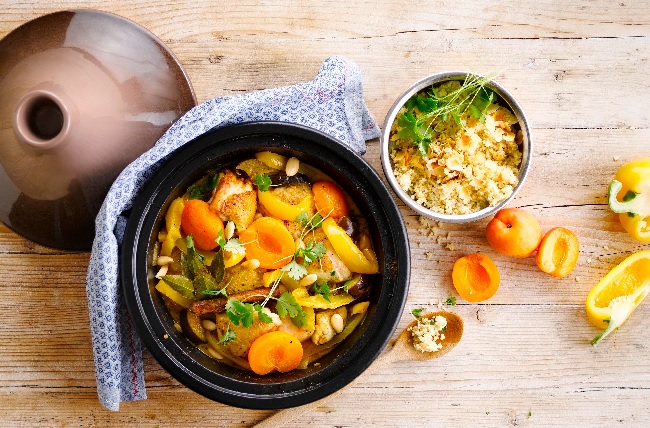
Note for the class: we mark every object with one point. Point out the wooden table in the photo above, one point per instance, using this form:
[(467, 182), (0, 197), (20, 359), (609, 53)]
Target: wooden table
[(578, 68)]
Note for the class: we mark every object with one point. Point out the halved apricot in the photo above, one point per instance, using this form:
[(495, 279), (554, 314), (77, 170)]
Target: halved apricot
[(268, 241), (277, 350), (203, 224), (475, 277), (558, 252)]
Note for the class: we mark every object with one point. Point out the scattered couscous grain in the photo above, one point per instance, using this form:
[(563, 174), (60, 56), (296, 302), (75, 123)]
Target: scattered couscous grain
[(428, 333), (470, 164)]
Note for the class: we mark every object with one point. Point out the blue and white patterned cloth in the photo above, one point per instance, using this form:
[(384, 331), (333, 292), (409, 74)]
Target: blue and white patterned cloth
[(332, 103)]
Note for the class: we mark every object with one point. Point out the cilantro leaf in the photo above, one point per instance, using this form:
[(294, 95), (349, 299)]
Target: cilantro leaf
[(216, 293), (228, 336), (203, 188), (294, 270), (234, 246), (312, 223), (263, 182), (286, 304), (417, 313), (220, 240), (263, 316), (451, 300), (349, 283), (239, 312), (323, 290), (312, 252)]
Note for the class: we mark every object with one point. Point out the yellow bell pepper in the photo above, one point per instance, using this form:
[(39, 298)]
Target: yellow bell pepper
[(359, 261), (629, 195), (270, 277), (272, 160), (318, 301), (616, 296), (173, 295), (173, 225), (282, 210)]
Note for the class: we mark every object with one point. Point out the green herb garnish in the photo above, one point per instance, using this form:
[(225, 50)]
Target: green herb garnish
[(204, 187), (451, 300), (228, 336), (417, 313), (423, 110), (263, 182), (323, 289)]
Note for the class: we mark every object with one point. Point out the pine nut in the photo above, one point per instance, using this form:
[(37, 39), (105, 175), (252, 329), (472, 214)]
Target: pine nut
[(213, 353), (162, 271), (209, 325), (230, 229), (292, 167), (164, 260), (336, 321), (251, 264), (308, 280)]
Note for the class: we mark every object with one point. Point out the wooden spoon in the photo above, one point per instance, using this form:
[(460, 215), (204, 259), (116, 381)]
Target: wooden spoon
[(402, 350)]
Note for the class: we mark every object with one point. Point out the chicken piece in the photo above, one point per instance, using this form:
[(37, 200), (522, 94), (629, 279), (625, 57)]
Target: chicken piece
[(301, 333), (235, 200), (329, 263), (245, 336), (325, 328)]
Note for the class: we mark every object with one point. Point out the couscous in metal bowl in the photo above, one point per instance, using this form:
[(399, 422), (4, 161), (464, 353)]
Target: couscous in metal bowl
[(462, 177)]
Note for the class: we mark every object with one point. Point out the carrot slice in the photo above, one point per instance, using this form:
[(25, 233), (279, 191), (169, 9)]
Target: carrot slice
[(330, 200), (268, 241), (277, 350), (475, 277), (558, 252)]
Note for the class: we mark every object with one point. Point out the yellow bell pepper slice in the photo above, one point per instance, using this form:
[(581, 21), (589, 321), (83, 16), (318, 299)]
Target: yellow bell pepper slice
[(270, 277), (318, 301), (272, 160), (173, 225), (359, 261), (282, 210), (629, 195), (173, 295), (616, 296)]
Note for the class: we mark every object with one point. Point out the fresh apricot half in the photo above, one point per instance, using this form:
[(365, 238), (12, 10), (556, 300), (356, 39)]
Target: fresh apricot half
[(558, 252), (514, 232), (277, 350), (475, 277)]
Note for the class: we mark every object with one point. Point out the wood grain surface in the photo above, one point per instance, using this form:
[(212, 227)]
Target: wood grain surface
[(579, 70)]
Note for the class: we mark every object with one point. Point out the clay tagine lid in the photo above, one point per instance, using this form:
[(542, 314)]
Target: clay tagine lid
[(83, 94)]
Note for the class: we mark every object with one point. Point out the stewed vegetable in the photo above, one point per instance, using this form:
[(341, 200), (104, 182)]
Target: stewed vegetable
[(266, 265)]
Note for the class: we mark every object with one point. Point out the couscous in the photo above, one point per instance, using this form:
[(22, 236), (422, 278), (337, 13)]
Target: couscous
[(459, 161), (428, 333)]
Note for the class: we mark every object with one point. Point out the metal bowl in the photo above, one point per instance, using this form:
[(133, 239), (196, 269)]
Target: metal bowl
[(504, 98), (181, 358)]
